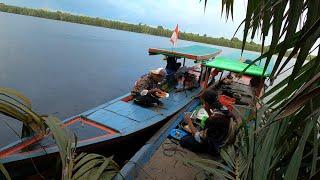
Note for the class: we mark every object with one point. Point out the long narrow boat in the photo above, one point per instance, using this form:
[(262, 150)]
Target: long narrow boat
[(111, 127), (152, 161)]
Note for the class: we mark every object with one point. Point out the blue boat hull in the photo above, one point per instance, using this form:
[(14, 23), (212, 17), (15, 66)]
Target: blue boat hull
[(111, 128)]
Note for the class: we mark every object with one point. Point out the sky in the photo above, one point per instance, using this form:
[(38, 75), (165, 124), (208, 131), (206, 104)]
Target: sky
[(189, 14)]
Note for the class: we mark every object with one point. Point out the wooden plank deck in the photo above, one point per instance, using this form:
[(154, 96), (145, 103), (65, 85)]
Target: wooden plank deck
[(167, 163)]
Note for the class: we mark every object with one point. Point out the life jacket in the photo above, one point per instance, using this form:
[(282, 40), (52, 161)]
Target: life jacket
[(227, 101)]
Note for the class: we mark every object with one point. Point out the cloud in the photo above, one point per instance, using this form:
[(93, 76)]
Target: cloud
[(189, 14)]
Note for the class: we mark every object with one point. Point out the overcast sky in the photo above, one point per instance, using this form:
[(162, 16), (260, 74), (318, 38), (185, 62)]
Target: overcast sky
[(189, 14)]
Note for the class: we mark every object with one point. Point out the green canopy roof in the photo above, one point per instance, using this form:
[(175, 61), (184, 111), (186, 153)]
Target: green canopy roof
[(244, 56), (233, 65), (195, 52)]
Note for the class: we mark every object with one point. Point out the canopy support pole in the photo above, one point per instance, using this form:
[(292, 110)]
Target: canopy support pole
[(200, 77), (206, 77), (221, 76), (184, 61)]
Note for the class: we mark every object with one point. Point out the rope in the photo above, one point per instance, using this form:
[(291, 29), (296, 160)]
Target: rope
[(171, 148), (285, 70)]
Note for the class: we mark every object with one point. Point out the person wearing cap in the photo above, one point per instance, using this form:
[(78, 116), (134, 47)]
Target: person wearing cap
[(216, 128), (146, 87)]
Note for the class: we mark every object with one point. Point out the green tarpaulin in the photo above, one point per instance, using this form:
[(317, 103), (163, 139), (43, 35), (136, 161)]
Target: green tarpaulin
[(195, 52), (233, 65)]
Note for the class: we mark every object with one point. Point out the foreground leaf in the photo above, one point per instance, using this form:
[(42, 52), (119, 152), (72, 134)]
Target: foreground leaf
[(4, 172), (94, 166), (293, 169), (207, 168)]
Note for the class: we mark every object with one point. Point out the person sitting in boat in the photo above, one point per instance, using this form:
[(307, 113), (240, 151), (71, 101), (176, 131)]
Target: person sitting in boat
[(216, 128), (186, 80), (146, 91), (172, 65), (171, 69)]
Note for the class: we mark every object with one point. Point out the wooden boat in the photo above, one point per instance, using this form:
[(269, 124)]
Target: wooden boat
[(151, 161), (110, 128)]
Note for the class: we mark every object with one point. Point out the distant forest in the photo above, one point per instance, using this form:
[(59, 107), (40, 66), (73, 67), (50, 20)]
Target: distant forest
[(139, 28)]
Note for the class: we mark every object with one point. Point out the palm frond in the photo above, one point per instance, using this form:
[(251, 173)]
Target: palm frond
[(17, 106), (66, 144), (315, 150), (294, 165), (283, 84), (4, 172), (283, 17), (211, 166), (94, 166), (13, 93), (296, 103), (83, 166)]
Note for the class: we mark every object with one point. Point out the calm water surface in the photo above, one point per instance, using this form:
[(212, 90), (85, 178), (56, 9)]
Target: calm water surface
[(67, 68)]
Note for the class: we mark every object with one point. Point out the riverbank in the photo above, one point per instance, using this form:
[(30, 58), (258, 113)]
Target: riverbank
[(138, 28)]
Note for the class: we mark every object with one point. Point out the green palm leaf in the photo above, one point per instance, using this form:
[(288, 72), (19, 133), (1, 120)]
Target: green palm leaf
[(94, 166), (65, 143), (17, 106), (4, 172), (210, 167), (293, 169), (315, 150), (13, 93)]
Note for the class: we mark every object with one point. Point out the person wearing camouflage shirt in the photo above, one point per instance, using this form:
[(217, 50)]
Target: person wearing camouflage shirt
[(146, 86)]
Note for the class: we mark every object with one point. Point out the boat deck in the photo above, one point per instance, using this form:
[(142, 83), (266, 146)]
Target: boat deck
[(167, 163), (127, 116)]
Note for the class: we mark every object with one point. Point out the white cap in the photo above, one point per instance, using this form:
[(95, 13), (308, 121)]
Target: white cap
[(144, 92), (159, 71)]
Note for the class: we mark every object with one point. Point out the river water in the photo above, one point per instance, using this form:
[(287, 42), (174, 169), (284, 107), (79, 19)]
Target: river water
[(67, 68)]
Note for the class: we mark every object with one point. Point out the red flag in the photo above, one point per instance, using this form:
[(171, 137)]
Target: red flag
[(175, 36)]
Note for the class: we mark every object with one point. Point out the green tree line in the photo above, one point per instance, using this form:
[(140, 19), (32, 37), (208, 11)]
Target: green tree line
[(139, 28)]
